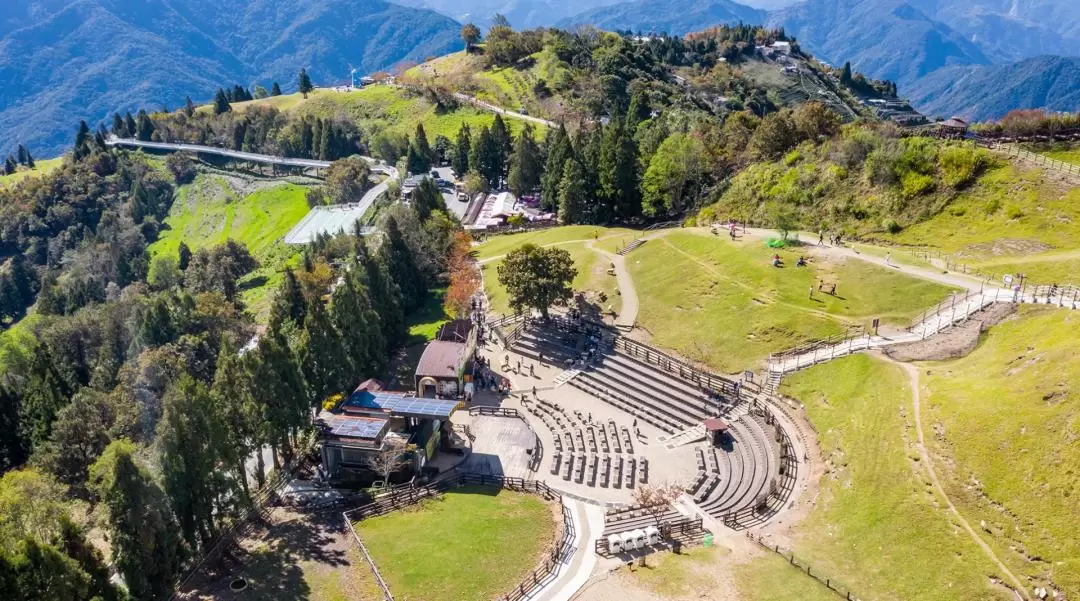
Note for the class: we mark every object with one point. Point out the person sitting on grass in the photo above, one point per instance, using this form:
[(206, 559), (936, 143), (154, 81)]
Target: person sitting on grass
[(802, 262), (776, 262)]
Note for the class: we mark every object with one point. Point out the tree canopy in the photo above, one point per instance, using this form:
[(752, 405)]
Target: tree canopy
[(537, 278)]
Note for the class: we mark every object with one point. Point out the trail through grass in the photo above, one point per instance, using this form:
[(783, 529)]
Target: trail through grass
[(877, 526), (1008, 423), (723, 303), (473, 543)]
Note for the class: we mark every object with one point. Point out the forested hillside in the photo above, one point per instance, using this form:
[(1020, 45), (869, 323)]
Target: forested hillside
[(61, 61)]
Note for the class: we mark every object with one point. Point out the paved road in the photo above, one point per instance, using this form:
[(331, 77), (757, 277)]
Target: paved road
[(243, 156), (498, 109)]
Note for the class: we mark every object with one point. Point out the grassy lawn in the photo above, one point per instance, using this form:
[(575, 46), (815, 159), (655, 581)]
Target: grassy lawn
[(496, 246), (425, 322), (771, 578), (473, 544), (1011, 211), (877, 526), (592, 275), (1008, 425), (40, 168), (725, 305), (208, 212), (674, 576), (1067, 155)]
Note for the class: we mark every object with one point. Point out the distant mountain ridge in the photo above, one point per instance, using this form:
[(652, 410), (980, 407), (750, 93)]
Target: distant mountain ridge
[(986, 92), (62, 60), (675, 17)]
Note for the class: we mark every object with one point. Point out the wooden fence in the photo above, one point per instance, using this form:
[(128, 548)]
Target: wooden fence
[(405, 497), (1039, 159), (804, 567)]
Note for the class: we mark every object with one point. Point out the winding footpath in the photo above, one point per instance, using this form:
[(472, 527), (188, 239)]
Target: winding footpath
[(916, 393)]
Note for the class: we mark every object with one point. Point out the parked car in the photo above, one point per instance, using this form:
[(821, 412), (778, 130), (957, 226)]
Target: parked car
[(463, 197)]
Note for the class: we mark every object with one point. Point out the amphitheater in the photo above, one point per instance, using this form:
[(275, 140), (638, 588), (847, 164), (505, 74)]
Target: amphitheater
[(610, 415)]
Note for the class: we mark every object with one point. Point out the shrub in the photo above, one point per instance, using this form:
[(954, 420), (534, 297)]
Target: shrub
[(792, 157), (1014, 212), (880, 167), (891, 226), (992, 206), (916, 184), (959, 165)]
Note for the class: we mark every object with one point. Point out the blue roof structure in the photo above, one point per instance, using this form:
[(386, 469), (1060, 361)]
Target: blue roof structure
[(397, 403)]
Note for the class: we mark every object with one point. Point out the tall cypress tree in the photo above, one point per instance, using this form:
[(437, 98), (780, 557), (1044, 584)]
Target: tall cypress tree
[(504, 143), (146, 544), (189, 106), (572, 199), (525, 165), (559, 150), (618, 172), (118, 128), (145, 127), (304, 83), (289, 304), (386, 295), (401, 266), (82, 142), (322, 360), (221, 102), (462, 146), (10, 165), (419, 157), (21, 154), (129, 125), (275, 90)]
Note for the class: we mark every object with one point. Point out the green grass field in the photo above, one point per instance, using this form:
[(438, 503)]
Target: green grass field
[(723, 304), (1011, 211), (1068, 155), (771, 578), (208, 212), (496, 246), (474, 543), (40, 168), (425, 322), (592, 275), (877, 527), (1008, 420)]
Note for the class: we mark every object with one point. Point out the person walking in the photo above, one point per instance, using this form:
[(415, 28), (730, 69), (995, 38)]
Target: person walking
[(888, 259), (811, 293)]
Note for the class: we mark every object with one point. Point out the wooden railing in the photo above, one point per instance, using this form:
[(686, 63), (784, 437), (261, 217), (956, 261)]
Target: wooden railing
[(702, 379), (1040, 159), (804, 567), (669, 529)]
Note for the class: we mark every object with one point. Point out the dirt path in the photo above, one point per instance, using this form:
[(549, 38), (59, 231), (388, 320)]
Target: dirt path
[(913, 379), (948, 279), (628, 315), (560, 243)]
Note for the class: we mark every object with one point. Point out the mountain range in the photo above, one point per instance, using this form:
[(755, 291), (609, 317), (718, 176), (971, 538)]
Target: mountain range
[(62, 60)]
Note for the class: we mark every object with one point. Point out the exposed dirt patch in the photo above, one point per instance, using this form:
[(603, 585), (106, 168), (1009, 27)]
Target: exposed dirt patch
[(1006, 247), (955, 342)]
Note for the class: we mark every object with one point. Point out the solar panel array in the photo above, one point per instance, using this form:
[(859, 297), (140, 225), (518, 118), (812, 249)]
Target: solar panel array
[(396, 402), (356, 427)]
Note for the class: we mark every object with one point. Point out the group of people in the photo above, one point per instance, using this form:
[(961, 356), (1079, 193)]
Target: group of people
[(834, 239)]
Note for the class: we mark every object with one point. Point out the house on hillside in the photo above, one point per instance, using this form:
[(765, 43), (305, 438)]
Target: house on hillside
[(445, 368), (372, 420)]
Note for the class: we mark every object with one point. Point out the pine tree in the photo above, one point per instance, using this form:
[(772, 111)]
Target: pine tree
[(145, 126), (304, 81), (401, 267), (10, 165), (129, 125), (419, 156), (322, 360), (386, 295), (193, 456), (462, 147), (231, 390), (221, 102), (118, 128), (845, 74), (20, 154), (183, 253), (82, 143), (275, 90), (639, 110), (146, 544), (29, 160), (618, 172), (45, 393), (484, 157), (189, 106), (23, 278), (559, 150), (525, 164), (572, 199), (427, 198), (289, 304), (504, 143)]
